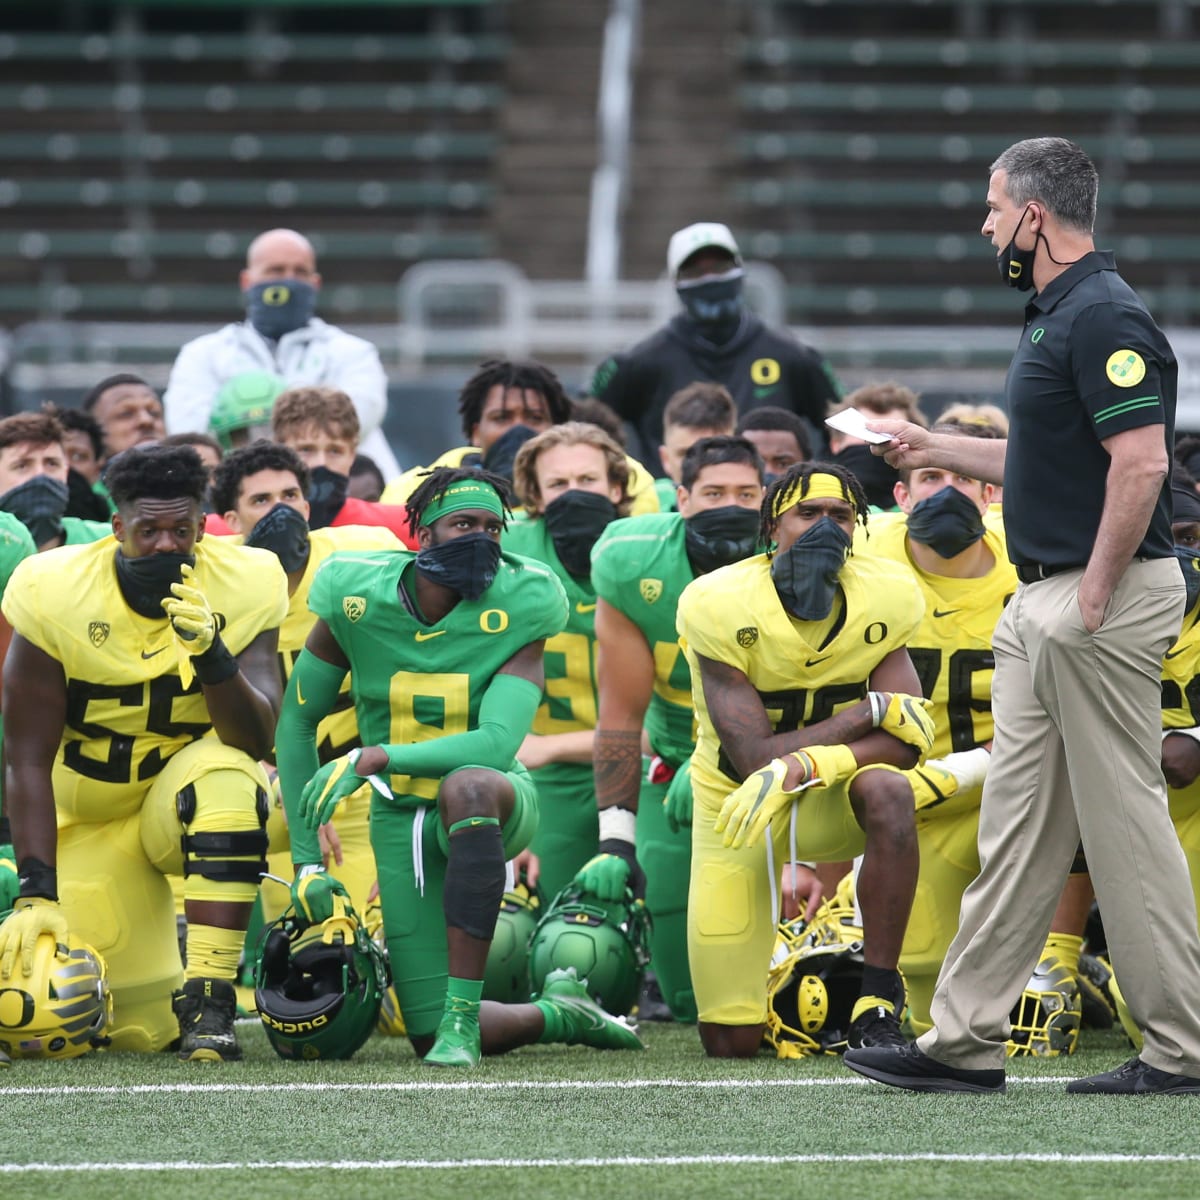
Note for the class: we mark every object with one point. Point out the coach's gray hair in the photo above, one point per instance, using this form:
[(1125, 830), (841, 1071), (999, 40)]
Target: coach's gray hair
[(1056, 173)]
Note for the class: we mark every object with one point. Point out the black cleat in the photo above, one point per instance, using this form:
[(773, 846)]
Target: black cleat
[(907, 1067), (205, 1009), (875, 1026), (1135, 1078)]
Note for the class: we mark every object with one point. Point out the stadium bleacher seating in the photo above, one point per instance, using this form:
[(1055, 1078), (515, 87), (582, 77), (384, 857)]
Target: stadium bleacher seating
[(150, 142)]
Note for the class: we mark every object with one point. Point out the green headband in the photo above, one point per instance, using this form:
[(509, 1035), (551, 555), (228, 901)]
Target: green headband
[(467, 493)]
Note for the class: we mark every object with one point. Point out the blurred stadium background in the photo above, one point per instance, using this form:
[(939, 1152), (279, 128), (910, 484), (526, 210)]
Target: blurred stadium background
[(501, 176)]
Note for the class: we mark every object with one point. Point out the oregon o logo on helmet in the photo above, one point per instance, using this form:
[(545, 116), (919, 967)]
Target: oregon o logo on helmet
[(16, 1008), (277, 295), (764, 371)]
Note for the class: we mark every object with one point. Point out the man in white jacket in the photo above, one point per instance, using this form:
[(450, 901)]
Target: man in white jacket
[(280, 334)]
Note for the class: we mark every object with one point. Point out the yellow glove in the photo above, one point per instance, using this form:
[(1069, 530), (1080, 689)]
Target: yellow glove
[(908, 718), (749, 810), (30, 918), (931, 784), (193, 621)]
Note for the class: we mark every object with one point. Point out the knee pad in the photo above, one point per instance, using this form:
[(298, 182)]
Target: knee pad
[(223, 817)]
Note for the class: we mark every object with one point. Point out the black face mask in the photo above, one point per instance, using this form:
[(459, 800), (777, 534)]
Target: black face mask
[(1016, 265), (947, 522), (466, 565), (146, 582), (806, 573), (502, 453), (83, 501), (279, 306), (715, 303), (326, 495), (39, 504), (872, 471), (575, 520), (716, 537), (284, 532), (1189, 561)]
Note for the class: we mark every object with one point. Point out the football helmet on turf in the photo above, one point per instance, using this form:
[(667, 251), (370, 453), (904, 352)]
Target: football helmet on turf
[(813, 983), (506, 976), (605, 942), (63, 1009), (318, 988), (1045, 1020)]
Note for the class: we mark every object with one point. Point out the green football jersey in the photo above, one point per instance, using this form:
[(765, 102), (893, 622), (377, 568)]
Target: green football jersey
[(414, 682), (78, 531), (16, 545), (569, 699), (640, 567)]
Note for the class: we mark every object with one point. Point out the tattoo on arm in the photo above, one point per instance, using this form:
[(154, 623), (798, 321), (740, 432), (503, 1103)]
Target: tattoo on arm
[(617, 754)]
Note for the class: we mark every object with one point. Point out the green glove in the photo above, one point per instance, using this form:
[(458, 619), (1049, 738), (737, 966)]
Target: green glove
[(313, 892), (677, 803), (31, 917), (908, 718), (328, 788), (604, 877), (10, 881)]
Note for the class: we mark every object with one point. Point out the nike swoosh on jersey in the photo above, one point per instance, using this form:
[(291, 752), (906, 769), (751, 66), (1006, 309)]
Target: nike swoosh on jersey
[(812, 662), (945, 612), (585, 608), (1174, 653), (153, 652), (424, 637), (299, 694)]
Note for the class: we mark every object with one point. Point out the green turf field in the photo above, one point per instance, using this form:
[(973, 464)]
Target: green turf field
[(552, 1122)]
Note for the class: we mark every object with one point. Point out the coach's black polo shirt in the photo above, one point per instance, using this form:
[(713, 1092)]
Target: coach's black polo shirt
[(1091, 363)]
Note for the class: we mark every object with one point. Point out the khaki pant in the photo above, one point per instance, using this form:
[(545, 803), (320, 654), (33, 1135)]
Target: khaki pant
[(1077, 755)]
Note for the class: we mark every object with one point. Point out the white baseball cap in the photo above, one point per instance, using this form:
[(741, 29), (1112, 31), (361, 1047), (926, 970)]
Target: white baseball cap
[(686, 242)]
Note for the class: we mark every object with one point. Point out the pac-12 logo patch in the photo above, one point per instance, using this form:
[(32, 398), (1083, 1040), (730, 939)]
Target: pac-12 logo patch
[(650, 589), (98, 631), (1125, 368), (747, 637), (353, 607)]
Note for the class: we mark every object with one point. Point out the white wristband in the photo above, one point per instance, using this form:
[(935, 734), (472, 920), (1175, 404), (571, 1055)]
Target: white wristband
[(618, 823), (879, 706), (969, 767)]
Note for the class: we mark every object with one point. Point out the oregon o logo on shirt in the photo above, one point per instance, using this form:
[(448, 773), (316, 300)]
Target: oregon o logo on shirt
[(1125, 368), (493, 620), (764, 372)]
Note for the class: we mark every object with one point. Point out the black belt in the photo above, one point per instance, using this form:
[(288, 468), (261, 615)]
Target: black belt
[(1032, 572)]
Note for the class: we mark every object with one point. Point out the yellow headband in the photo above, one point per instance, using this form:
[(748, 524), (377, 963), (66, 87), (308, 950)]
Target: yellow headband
[(821, 486)]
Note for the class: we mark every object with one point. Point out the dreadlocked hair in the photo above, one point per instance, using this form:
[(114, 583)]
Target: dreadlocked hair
[(524, 375), (800, 474), (434, 482)]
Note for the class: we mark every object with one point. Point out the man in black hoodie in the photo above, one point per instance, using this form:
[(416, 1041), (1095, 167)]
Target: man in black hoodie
[(715, 338)]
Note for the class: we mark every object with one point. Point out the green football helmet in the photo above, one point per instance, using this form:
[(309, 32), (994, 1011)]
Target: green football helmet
[(506, 976), (63, 1009), (318, 988), (607, 944), (244, 403), (1045, 1020)]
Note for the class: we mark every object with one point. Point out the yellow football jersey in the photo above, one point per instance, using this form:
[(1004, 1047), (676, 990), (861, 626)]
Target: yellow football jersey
[(1181, 677), (804, 671), (127, 709), (338, 733), (952, 647)]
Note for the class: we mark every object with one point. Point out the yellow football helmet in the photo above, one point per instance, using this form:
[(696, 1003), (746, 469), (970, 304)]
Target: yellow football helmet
[(63, 1009), (1045, 1020)]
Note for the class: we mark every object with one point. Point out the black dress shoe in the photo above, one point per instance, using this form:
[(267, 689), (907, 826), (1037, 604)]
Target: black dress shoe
[(1135, 1078), (906, 1067)]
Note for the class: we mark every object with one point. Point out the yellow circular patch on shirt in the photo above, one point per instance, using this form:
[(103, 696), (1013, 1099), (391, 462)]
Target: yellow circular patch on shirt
[(1125, 368)]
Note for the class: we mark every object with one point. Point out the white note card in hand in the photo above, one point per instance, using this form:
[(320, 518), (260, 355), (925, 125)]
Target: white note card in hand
[(854, 423)]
